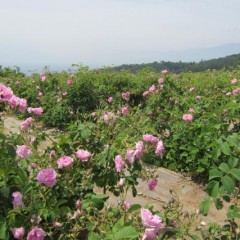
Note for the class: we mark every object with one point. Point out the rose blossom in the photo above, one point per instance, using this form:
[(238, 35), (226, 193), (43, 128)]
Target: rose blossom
[(126, 96), (126, 205), (78, 203), (119, 163), (42, 74), (37, 111), (83, 155), (152, 184), (159, 148), (151, 221), (110, 99), (164, 71), (228, 93), (17, 200), (121, 181), (18, 233), (187, 117), (191, 110), (36, 234), (43, 78), (109, 118), (234, 81), (23, 151), (125, 111), (57, 224), (150, 138), (130, 156), (22, 106), (13, 101), (152, 88), (139, 149), (52, 154), (5, 93), (25, 124), (236, 91), (64, 162), (47, 177), (146, 93), (69, 81), (161, 81)]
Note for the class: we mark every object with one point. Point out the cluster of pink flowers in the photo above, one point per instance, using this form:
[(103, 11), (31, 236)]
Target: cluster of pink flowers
[(7, 96), (150, 90), (152, 223), (125, 111), (25, 124), (43, 77), (23, 151), (119, 163), (17, 200), (47, 176), (158, 144), (64, 162), (37, 111), (164, 71), (83, 155), (187, 117), (126, 96)]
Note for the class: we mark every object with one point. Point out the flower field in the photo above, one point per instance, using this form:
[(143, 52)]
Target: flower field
[(112, 125)]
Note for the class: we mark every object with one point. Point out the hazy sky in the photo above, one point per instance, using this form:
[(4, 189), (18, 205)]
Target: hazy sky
[(106, 32)]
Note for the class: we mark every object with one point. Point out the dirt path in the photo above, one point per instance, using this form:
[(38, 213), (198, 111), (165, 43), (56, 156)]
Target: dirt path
[(190, 194)]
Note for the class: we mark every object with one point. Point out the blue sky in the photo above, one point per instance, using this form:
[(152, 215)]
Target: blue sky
[(111, 32)]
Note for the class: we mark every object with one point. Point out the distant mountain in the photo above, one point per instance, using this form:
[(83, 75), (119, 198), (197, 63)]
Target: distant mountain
[(228, 62), (199, 54)]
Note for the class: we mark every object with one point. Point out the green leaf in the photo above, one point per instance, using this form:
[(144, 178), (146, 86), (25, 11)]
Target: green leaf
[(213, 188), (218, 203), (235, 172), (224, 167), (3, 230), (225, 148), (204, 206), (233, 212), (215, 173), (228, 184), (134, 207), (126, 233)]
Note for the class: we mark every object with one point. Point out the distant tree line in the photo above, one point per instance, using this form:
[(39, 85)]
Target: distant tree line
[(229, 62)]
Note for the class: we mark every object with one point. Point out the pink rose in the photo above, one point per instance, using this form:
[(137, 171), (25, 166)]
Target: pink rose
[(43, 78), (37, 111), (83, 155), (139, 149), (47, 177), (149, 234), (150, 138), (42, 74), (145, 94), (152, 88), (121, 181), (164, 71), (78, 204), (125, 111), (69, 81), (17, 200), (110, 100), (57, 224), (161, 81), (22, 106), (119, 163), (25, 124), (64, 162), (228, 94), (236, 91), (234, 81), (52, 154), (187, 117), (191, 110), (151, 221), (130, 156), (109, 118), (13, 101), (64, 94), (36, 234), (152, 184), (23, 151), (159, 148), (18, 233), (5, 93), (126, 96), (126, 205)]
